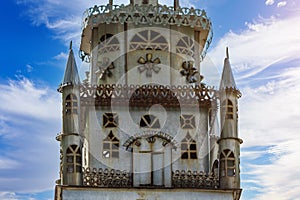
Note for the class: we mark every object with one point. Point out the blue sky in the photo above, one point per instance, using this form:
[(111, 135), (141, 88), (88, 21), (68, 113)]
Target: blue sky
[(263, 37)]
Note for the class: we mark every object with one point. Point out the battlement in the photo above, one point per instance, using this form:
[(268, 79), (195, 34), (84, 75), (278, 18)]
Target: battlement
[(146, 14)]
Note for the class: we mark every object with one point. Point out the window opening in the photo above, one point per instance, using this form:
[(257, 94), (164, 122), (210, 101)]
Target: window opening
[(111, 146), (188, 148), (71, 104), (73, 156), (227, 163), (149, 121)]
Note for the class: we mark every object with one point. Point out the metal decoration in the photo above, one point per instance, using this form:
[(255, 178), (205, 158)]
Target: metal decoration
[(189, 71), (104, 69), (149, 65)]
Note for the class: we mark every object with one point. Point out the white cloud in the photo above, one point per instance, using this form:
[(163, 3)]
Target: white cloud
[(281, 4), (269, 2), (29, 121), (6, 163), (8, 196), (61, 56), (262, 45), (22, 97), (29, 68)]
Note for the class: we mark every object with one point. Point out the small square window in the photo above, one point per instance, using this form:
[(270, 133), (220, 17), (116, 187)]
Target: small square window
[(184, 155), (70, 169), (115, 154), (110, 120), (106, 154), (187, 121), (69, 159), (193, 155), (106, 145)]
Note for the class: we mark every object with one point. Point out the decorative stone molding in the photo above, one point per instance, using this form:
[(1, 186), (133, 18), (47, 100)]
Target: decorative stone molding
[(148, 15), (189, 179), (147, 95), (104, 69), (189, 71), (106, 178), (150, 137)]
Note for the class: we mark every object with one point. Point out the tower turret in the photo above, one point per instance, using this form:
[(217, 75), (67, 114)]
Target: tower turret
[(229, 142), (70, 138)]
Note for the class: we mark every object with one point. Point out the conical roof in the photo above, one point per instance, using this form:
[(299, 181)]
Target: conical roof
[(227, 80), (71, 73)]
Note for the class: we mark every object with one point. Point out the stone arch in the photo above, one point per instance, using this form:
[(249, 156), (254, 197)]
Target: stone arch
[(150, 136)]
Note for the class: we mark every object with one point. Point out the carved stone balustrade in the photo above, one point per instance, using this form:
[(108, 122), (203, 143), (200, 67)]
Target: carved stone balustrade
[(106, 178), (147, 95), (188, 179)]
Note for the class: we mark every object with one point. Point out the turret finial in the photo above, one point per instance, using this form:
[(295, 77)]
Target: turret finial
[(227, 53), (71, 45), (176, 4)]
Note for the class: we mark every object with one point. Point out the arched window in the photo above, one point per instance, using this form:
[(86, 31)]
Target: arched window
[(215, 167), (148, 40), (73, 159), (227, 107), (149, 121), (108, 43), (186, 46), (110, 146), (188, 148), (71, 104), (227, 163)]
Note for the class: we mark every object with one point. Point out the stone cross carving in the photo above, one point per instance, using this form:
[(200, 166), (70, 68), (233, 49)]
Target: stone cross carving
[(104, 68), (149, 65), (189, 71)]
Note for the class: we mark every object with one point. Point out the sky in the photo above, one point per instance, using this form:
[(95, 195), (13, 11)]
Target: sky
[(263, 37)]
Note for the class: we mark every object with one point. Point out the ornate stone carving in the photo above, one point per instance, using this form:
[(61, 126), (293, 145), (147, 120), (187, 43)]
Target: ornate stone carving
[(187, 122), (150, 137), (104, 69), (189, 71), (84, 56), (110, 120), (106, 178), (147, 95), (189, 179), (149, 65), (150, 15)]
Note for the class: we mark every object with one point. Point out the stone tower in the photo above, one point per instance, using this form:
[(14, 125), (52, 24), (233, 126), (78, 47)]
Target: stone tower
[(141, 125), (229, 142)]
